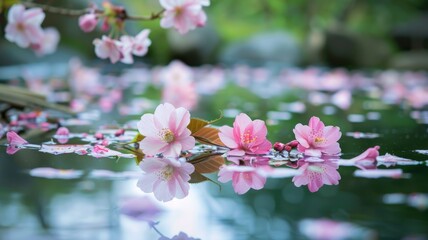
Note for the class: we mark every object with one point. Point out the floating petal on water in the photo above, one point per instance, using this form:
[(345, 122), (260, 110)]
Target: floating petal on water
[(52, 173), (378, 173)]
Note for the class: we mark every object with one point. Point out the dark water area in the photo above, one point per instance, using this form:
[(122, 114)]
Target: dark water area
[(75, 199)]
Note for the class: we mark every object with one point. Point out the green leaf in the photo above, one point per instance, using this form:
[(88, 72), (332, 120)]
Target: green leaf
[(20, 97), (139, 155), (138, 138)]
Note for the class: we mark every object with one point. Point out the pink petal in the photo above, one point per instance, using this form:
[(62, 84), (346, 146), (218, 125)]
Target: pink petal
[(258, 182), (263, 148), (146, 181), (332, 149), (34, 16), (242, 121), (182, 188), (163, 113), (187, 142), (182, 120), (239, 184), (302, 133), (35, 34), (315, 124), (150, 165), (172, 150), (313, 152), (226, 137), (236, 152), (332, 134), (161, 191), (167, 4), (224, 175), (15, 13), (146, 126), (152, 146)]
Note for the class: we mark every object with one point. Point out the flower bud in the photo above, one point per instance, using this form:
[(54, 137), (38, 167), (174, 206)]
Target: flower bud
[(287, 148), (119, 132), (278, 146), (293, 143), (63, 131), (88, 22), (99, 136)]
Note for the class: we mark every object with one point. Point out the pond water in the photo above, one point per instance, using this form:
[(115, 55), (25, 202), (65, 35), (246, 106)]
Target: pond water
[(54, 189)]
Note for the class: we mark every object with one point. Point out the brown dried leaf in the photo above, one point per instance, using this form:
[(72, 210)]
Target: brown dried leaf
[(196, 124), (208, 162), (208, 135)]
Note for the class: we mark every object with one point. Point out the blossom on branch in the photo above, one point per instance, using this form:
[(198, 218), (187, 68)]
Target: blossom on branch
[(88, 22), (108, 48), (24, 26), (183, 15), (49, 42)]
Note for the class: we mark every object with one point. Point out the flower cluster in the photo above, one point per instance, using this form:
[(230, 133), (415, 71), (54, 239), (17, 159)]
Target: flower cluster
[(24, 29), (123, 49), (166, 135)]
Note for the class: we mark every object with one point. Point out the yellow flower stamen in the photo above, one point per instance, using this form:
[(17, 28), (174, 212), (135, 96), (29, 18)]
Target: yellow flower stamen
[(166, 135)]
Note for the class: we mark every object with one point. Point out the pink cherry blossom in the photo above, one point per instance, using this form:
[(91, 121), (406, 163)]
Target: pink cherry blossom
[(243, 177), (316, 174), (166, 131), (317, 139), (15, 142), (23, 27), (48, 44), (62, 135), (108, 48), (125, 45), (181, 95), (167, 178), (183, 15), (88, 22), (179, 87), (141, 43), (246, 136), (369, 155)]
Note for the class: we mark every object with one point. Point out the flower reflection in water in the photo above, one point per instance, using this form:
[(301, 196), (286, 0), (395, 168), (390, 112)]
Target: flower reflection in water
[(323, 229), (165, 177), (315, 174), (245, 173), (15, 142), (140, 208)]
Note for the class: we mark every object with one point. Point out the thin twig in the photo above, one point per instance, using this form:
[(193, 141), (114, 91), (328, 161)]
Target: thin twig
[(58, 10), (79, 12), (143, 18)]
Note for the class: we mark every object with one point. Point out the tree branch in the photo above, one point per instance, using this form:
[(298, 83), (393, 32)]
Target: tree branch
[(80, 12)]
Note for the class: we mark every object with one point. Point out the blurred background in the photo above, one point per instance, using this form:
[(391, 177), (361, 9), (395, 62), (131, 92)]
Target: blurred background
[(359, 34)]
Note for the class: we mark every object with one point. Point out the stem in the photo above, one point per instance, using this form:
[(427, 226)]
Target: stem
[(153, 225), (79, 12), (153, 16), (58, 10)]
